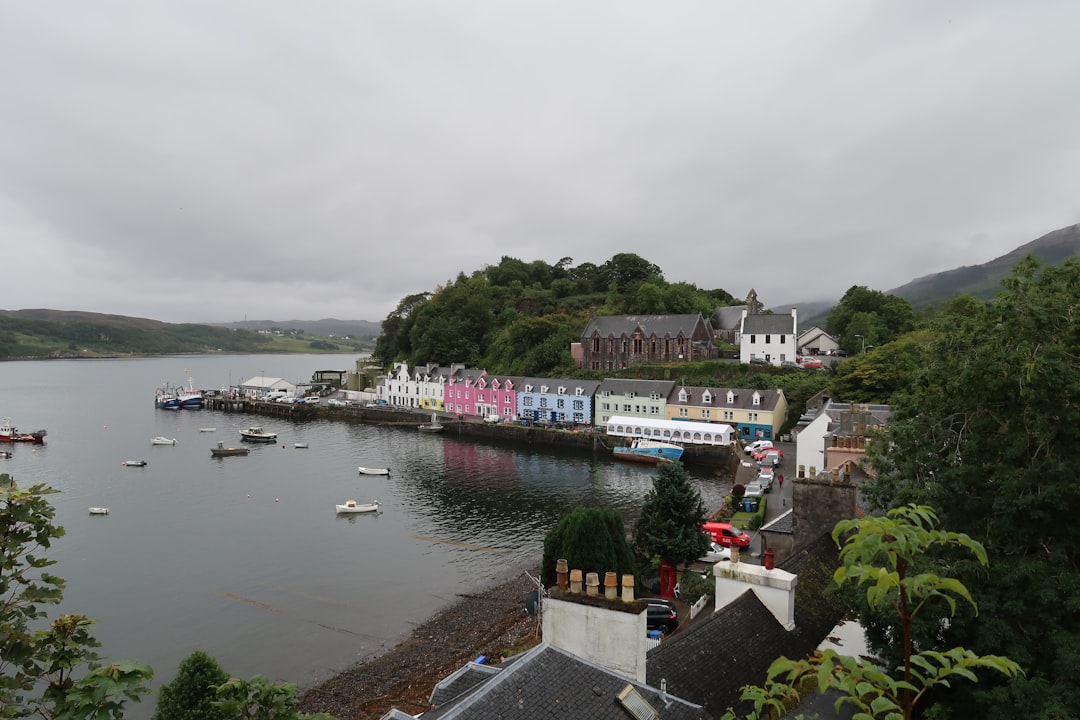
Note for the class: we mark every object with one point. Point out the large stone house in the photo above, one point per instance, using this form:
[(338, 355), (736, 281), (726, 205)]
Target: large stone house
[(614, 342)]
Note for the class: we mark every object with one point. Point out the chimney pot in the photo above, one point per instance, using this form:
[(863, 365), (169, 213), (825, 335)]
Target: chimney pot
[(611, 585), (770, 559), (734, 553), (575, 582), (628, 588), (592, 584), (562, 573)]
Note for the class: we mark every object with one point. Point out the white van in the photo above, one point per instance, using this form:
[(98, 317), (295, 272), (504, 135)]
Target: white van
[(757, 445)]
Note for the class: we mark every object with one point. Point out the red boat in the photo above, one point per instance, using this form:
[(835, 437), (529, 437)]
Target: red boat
[(9, 433)]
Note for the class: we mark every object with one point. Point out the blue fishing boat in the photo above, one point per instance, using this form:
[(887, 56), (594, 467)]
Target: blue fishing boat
[(649, 451)]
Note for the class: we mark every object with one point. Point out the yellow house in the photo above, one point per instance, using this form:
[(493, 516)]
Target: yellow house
[(755, 414)]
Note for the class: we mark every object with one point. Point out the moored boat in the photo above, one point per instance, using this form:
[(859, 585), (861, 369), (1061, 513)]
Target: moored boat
[(99, 511), (5, 454), (300, 446), (190, 399), (351, 506), (165, 398), (649, 451), (133, 463), (162, 440), (10, 433), (222, 451), (374, 471), (433, 426), (255, 433), (207, 429)]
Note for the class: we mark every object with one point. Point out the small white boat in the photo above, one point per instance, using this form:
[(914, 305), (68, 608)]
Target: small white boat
[(99, 511), (207, 429), (300, 446), (161, 440), (6, 454), (374, 471), (433, 426), (133, 463), (351, 506), (255, 433)]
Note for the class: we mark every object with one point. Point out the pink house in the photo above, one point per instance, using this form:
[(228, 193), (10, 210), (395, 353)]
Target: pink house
[(496, 395)]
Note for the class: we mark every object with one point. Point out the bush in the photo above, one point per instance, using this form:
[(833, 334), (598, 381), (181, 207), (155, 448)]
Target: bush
[(191, 694)]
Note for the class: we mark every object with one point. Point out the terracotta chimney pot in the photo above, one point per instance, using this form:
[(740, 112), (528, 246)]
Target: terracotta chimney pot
[(770, 559), (592, 584), (611, 585), (562, 573), (575, 581), (628, 588)]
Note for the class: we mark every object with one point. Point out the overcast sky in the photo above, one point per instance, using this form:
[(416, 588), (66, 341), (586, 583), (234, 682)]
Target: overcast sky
[(209, 161)]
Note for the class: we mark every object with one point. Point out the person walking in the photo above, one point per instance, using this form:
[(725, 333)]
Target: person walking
[(780, 479)]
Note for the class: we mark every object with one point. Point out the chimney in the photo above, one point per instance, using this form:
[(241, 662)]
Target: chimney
[(592, 584), (575, 582), (562, 573), (628, 588), (774, 587), (611, 582), (770, 559), (734, 553)]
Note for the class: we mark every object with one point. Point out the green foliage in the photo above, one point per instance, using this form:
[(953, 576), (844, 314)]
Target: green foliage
[(260, 699), (590, 539), (50, 670), (669, 525), (191, 694), (878, 554), (875, 316), (881, 373), (989, 433)]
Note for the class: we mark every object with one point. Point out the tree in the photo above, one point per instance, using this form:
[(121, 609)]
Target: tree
[(669, 526), (876, 316), (590, 539), (191, 694), (882, 554), (40, 664), (989, 433), (260, 699)]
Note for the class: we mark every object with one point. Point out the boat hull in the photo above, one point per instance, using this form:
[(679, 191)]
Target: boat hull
[(649, 451), (228, 452), (352, 507), (374, 471), (248, 437)]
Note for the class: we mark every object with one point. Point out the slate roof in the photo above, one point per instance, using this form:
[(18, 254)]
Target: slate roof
[(619, 387), (742, 400), (710, 662), (783, 523), (728, 317), (548, 682), (588, 387), (769, 325), (659, 325)]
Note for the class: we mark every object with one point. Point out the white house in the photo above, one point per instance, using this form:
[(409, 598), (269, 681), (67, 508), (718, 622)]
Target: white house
[(768, 337), (816, 341), (259, 387)]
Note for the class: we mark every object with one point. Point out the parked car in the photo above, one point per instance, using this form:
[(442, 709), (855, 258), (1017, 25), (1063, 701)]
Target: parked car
[(762, 453), (757, 445), (717, 553), (790, 364), (662, 615), (766, 476), (334, 402), (755, 489), (811, 364), (492, 418), (758, 361), (726, 534)]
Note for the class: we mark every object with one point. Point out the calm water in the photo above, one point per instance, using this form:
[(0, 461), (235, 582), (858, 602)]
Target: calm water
[(244, 557)]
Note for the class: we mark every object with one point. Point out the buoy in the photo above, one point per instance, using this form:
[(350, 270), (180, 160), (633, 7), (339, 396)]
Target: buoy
[(275, 499), (249, 496)]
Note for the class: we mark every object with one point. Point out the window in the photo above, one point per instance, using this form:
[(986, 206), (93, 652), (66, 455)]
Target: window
[(728, 415), (783, 339), (768, 339), (527, 401), (683, 412), (654, 410), (637, 345), (753, 339)]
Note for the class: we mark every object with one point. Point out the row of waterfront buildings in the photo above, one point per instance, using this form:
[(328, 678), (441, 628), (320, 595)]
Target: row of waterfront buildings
[(564, 401)]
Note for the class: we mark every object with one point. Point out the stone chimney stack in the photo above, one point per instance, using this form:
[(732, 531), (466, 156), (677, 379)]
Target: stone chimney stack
[(775, 588)]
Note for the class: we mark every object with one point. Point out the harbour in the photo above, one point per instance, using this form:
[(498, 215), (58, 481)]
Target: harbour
[(245, 557)]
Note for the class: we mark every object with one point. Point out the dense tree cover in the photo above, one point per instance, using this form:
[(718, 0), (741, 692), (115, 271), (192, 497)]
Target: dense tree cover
[(521, 318), (988, 431), (886, 557), (192, 693), (590, 539), (49, 669), (866, 317), (669, 526)]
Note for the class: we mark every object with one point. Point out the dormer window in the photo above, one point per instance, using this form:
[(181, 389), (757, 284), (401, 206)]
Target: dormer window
[(706, 397), (579, 391), (528, 388), (562, 390), (544, 388), (757, 399), (682, 395), (730, 397)]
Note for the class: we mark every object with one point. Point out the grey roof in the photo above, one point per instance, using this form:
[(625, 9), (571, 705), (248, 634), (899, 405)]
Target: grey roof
[(813, 333), (710, 662), (783, 523), (622, 386), (548, 682), (659, 325), (464, 374), (515, 380), (769, 325), (588, 387), (460, 681), (743, 399)]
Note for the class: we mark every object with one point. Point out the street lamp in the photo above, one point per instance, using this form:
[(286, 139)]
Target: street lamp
[(863, 338)]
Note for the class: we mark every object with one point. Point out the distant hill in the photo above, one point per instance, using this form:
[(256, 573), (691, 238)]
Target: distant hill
[(328, 327), (981, 281)]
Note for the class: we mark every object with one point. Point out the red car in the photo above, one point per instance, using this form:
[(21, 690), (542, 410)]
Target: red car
[(761, 454), (811, 364), (726, 534)]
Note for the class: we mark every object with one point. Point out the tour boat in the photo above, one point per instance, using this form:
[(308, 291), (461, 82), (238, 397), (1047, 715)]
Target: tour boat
[(649, 451)]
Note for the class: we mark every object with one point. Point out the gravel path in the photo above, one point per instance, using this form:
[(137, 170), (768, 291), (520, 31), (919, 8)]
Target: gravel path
[(484, 623)]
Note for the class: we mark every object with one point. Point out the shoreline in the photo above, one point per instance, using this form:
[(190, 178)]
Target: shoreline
[(483, 621)]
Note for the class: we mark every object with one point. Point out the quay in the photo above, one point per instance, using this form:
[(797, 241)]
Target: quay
[(724, 459)]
